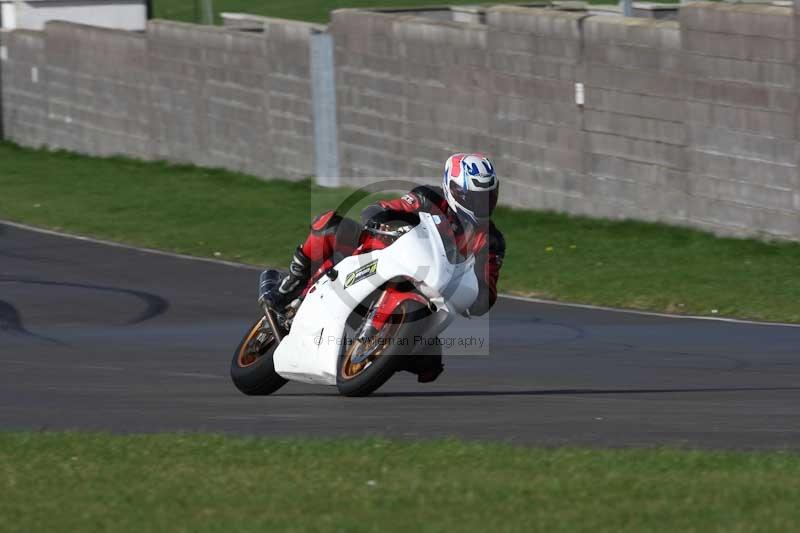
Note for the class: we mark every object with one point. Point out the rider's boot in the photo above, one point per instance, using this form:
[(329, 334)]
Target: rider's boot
[(292, 285), (430, 374), (426, 367)]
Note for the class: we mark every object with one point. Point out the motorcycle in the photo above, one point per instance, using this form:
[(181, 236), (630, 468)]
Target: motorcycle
[(363, 319)]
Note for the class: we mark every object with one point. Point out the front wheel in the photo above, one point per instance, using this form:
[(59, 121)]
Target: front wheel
[(252, 369), (366, 365)]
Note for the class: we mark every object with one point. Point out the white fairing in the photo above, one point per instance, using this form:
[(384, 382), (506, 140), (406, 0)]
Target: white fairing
[(310, 351)]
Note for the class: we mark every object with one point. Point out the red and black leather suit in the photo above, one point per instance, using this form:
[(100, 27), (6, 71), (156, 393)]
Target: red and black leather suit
[(333, 236)]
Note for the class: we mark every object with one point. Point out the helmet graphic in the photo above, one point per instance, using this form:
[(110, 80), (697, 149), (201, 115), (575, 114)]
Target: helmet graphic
[(470, 186)]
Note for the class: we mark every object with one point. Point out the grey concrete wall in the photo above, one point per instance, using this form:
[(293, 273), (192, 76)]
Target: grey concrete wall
[(692, 122), (634, 120), (209, 96), (97, 87), (179, 92), (534, 62), (412, 90), (24, 94), (742, 102)]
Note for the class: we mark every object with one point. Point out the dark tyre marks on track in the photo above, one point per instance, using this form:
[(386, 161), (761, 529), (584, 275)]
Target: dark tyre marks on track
[(146, 340)]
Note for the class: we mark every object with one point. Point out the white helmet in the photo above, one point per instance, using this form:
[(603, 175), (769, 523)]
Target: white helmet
[(470, 186)]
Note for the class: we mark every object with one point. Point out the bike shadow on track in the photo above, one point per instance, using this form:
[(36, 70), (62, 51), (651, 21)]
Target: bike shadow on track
[(554, 392)]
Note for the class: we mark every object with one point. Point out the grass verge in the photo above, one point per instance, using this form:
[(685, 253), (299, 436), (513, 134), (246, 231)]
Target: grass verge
[(97, 482), (222, 214), (308, 10)]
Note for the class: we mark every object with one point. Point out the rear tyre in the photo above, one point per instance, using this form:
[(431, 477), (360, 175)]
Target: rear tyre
[(252, 369), (385, 354)]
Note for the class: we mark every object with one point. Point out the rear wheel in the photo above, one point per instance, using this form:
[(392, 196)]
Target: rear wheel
[(252, 369), (366, 365)]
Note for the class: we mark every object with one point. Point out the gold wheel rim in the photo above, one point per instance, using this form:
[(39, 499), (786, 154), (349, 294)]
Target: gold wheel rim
[(350, 370), (246, 357)]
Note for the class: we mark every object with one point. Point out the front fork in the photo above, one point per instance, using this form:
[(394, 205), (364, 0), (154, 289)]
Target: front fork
[(268, 281), (384, 307)]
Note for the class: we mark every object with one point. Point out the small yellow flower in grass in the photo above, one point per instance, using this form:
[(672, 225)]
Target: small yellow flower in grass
[(572, 246), (217, 254), (714, 311), (548, 249), (37, 205)]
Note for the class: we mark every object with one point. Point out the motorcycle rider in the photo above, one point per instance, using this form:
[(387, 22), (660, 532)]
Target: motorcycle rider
[(466, 199)]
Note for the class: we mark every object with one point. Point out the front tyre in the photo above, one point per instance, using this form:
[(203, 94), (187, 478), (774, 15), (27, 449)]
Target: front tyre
[(252, 369), (383, 355)]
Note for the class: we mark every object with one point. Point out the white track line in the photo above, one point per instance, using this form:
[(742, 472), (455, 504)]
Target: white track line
[(129, 246), (508, 296), (649, 313)]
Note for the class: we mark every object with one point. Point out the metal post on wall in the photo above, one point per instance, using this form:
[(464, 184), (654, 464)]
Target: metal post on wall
[(627, 7), (3, 59), (206, 12), (323, 100)]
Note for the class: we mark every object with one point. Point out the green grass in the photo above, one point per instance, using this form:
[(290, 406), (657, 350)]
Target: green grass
[(96, 482), (239, 218), (308, 10)]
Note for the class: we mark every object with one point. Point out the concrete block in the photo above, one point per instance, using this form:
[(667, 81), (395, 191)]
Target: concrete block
[(745, 191), (731, 166), (666, 155), (727, 69), (567, 50), (544, 22), (742, 144), (618, 191), (635, 57), (523, 64), (391, 107), (467, 99), (566, 113), (747, 47), (286, 104), (449, 138), (346, 23), (650, 33), (435, 33), (540, 89), (651, 175), (550, 157), (371, 122), (669, 132), (642, 105), (453, 116), (741, 19), (735, 218), (744, 95), (371, 83), (756, 121), (375, 65), (251, 99), (640, 82)]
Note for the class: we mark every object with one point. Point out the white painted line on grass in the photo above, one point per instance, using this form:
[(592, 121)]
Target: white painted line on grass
[(508, 296)]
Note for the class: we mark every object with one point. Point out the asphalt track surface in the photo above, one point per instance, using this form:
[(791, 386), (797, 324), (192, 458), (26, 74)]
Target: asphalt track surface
[(95, 337)]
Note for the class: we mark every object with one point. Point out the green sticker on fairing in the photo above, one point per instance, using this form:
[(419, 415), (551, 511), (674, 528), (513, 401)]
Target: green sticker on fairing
[(370, 269)]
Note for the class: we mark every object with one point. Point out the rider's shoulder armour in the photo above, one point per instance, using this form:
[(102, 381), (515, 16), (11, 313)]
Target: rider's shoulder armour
[(327, 222)]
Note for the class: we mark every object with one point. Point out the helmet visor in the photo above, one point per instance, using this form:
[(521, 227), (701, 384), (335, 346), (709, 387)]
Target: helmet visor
[(480, 203)]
